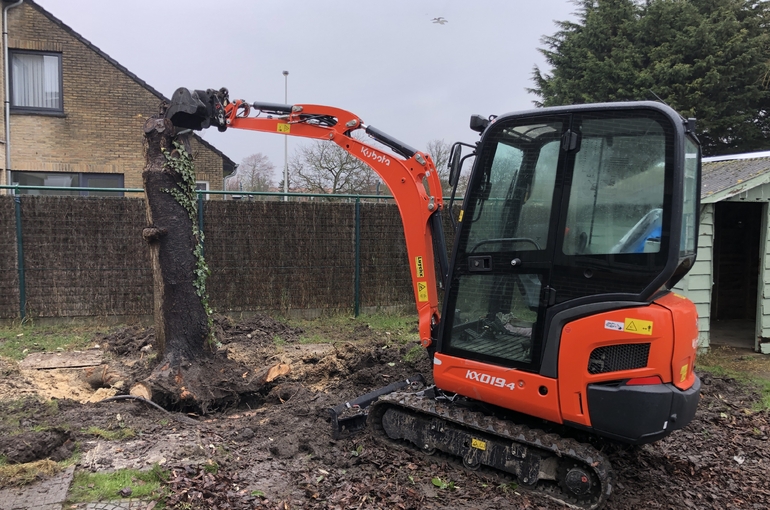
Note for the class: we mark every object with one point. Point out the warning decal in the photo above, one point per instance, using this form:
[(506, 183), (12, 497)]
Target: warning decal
[(420, 268), (478, 443), (614, 325), (284, 128), (638, 326), (422, 292)]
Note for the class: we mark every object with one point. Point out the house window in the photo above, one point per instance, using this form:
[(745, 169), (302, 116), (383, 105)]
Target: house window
[(36, 81), (202, 186), (68, 180)]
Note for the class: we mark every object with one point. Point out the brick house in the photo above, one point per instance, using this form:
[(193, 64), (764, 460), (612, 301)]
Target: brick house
[(76, 115)]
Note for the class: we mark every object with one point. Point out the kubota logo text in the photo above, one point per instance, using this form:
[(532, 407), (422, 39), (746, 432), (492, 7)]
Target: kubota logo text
[(376, 157), (488, 379)]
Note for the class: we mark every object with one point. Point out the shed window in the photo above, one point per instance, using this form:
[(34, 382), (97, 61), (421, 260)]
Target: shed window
[(36, 81)]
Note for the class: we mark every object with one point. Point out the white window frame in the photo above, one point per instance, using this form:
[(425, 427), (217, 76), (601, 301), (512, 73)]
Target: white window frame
[(205, 187)]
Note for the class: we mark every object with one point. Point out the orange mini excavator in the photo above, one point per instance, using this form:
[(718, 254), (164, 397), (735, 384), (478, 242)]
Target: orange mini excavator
[(558, 321)]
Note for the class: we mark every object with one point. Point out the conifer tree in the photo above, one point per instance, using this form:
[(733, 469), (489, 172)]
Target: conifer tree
[(708, 59)]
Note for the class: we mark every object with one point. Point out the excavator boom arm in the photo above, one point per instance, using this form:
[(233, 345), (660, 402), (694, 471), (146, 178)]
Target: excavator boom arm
[(404, 173)]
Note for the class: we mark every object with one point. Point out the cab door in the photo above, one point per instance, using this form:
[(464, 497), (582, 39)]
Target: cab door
[(502, 265)]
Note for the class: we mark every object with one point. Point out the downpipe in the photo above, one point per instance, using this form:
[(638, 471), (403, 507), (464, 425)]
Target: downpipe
[(7, 95)]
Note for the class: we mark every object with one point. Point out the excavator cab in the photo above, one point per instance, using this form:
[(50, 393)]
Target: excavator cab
[(582, 212)]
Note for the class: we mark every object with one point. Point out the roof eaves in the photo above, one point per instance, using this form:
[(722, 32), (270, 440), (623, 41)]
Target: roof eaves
[(736, 189), (733, 157), (120, 67), (90, 45)]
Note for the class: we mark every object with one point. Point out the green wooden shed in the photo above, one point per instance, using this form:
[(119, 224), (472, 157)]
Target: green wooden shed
[(730, 282)]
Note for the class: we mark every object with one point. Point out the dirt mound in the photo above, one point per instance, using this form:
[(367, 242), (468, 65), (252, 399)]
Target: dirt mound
[(718, 461), (54, 444), (126, 341), (275, 449), (257, 330)]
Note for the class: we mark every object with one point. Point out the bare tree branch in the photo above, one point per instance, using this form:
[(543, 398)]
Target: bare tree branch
[(255, 173), (439, 152), (323, 167)]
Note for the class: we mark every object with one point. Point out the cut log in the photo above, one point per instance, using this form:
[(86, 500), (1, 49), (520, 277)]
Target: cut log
[(141, 389), (267, 374)]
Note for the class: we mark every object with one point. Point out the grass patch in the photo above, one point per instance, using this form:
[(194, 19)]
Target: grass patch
[(314, 338), (111, 435), (14, 475), (88, 487), (414, 354), (18, 341), (401, 327), (751, 369), (395, 328)]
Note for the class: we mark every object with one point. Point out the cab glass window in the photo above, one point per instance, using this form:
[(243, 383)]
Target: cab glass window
[(617, 189), (511, 205), (690, 216)]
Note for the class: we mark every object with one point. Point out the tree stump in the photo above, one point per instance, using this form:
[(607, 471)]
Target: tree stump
[(190, 376)]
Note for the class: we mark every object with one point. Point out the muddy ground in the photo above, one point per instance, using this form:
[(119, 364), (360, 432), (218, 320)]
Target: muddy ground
[(275, 450)]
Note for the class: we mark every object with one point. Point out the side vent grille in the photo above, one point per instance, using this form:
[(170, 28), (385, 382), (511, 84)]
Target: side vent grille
[(618, 357)]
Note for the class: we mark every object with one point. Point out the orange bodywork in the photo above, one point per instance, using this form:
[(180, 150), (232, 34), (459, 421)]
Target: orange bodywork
[(672, 335), (404, 177), (669, 325), (506, 387)]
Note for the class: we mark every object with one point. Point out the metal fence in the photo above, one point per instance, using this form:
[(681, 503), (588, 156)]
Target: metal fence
[(65, 256)]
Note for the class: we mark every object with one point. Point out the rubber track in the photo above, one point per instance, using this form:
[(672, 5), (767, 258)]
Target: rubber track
[(584, 455)]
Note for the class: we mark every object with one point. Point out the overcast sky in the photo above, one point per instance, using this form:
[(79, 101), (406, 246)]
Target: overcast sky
[(385, 60)]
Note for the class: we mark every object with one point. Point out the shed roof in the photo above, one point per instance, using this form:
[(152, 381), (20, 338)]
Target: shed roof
[(725, 176)]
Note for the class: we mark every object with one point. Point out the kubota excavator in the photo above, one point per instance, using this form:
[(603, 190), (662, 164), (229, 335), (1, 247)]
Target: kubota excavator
[(558, 320)]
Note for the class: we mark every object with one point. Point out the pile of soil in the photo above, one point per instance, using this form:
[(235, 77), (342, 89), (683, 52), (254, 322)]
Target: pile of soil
[(276, 450)]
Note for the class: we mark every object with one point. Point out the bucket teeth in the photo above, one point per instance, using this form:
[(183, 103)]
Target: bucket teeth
[(191, 109)]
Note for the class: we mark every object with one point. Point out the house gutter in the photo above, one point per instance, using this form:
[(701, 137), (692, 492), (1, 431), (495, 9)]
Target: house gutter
[(7, 94)]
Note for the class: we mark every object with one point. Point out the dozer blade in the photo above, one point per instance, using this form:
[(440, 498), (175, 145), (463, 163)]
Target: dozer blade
[(196, 109), (355, 410)]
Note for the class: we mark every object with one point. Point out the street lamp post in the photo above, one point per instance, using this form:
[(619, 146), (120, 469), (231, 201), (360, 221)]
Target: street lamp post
[(285, 139)]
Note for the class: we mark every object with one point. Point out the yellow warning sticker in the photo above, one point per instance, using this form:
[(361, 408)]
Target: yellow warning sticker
[(422, 292), (478, 444), (284, 128), (683, 373), (460, 219), (420, 268), (638, 326)]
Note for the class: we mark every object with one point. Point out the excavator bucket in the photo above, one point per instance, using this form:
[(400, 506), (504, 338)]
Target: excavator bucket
[(196, 109)]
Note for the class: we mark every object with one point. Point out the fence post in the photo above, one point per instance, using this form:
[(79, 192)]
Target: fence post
[(200, 219), (357, 282), (20, 258)]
